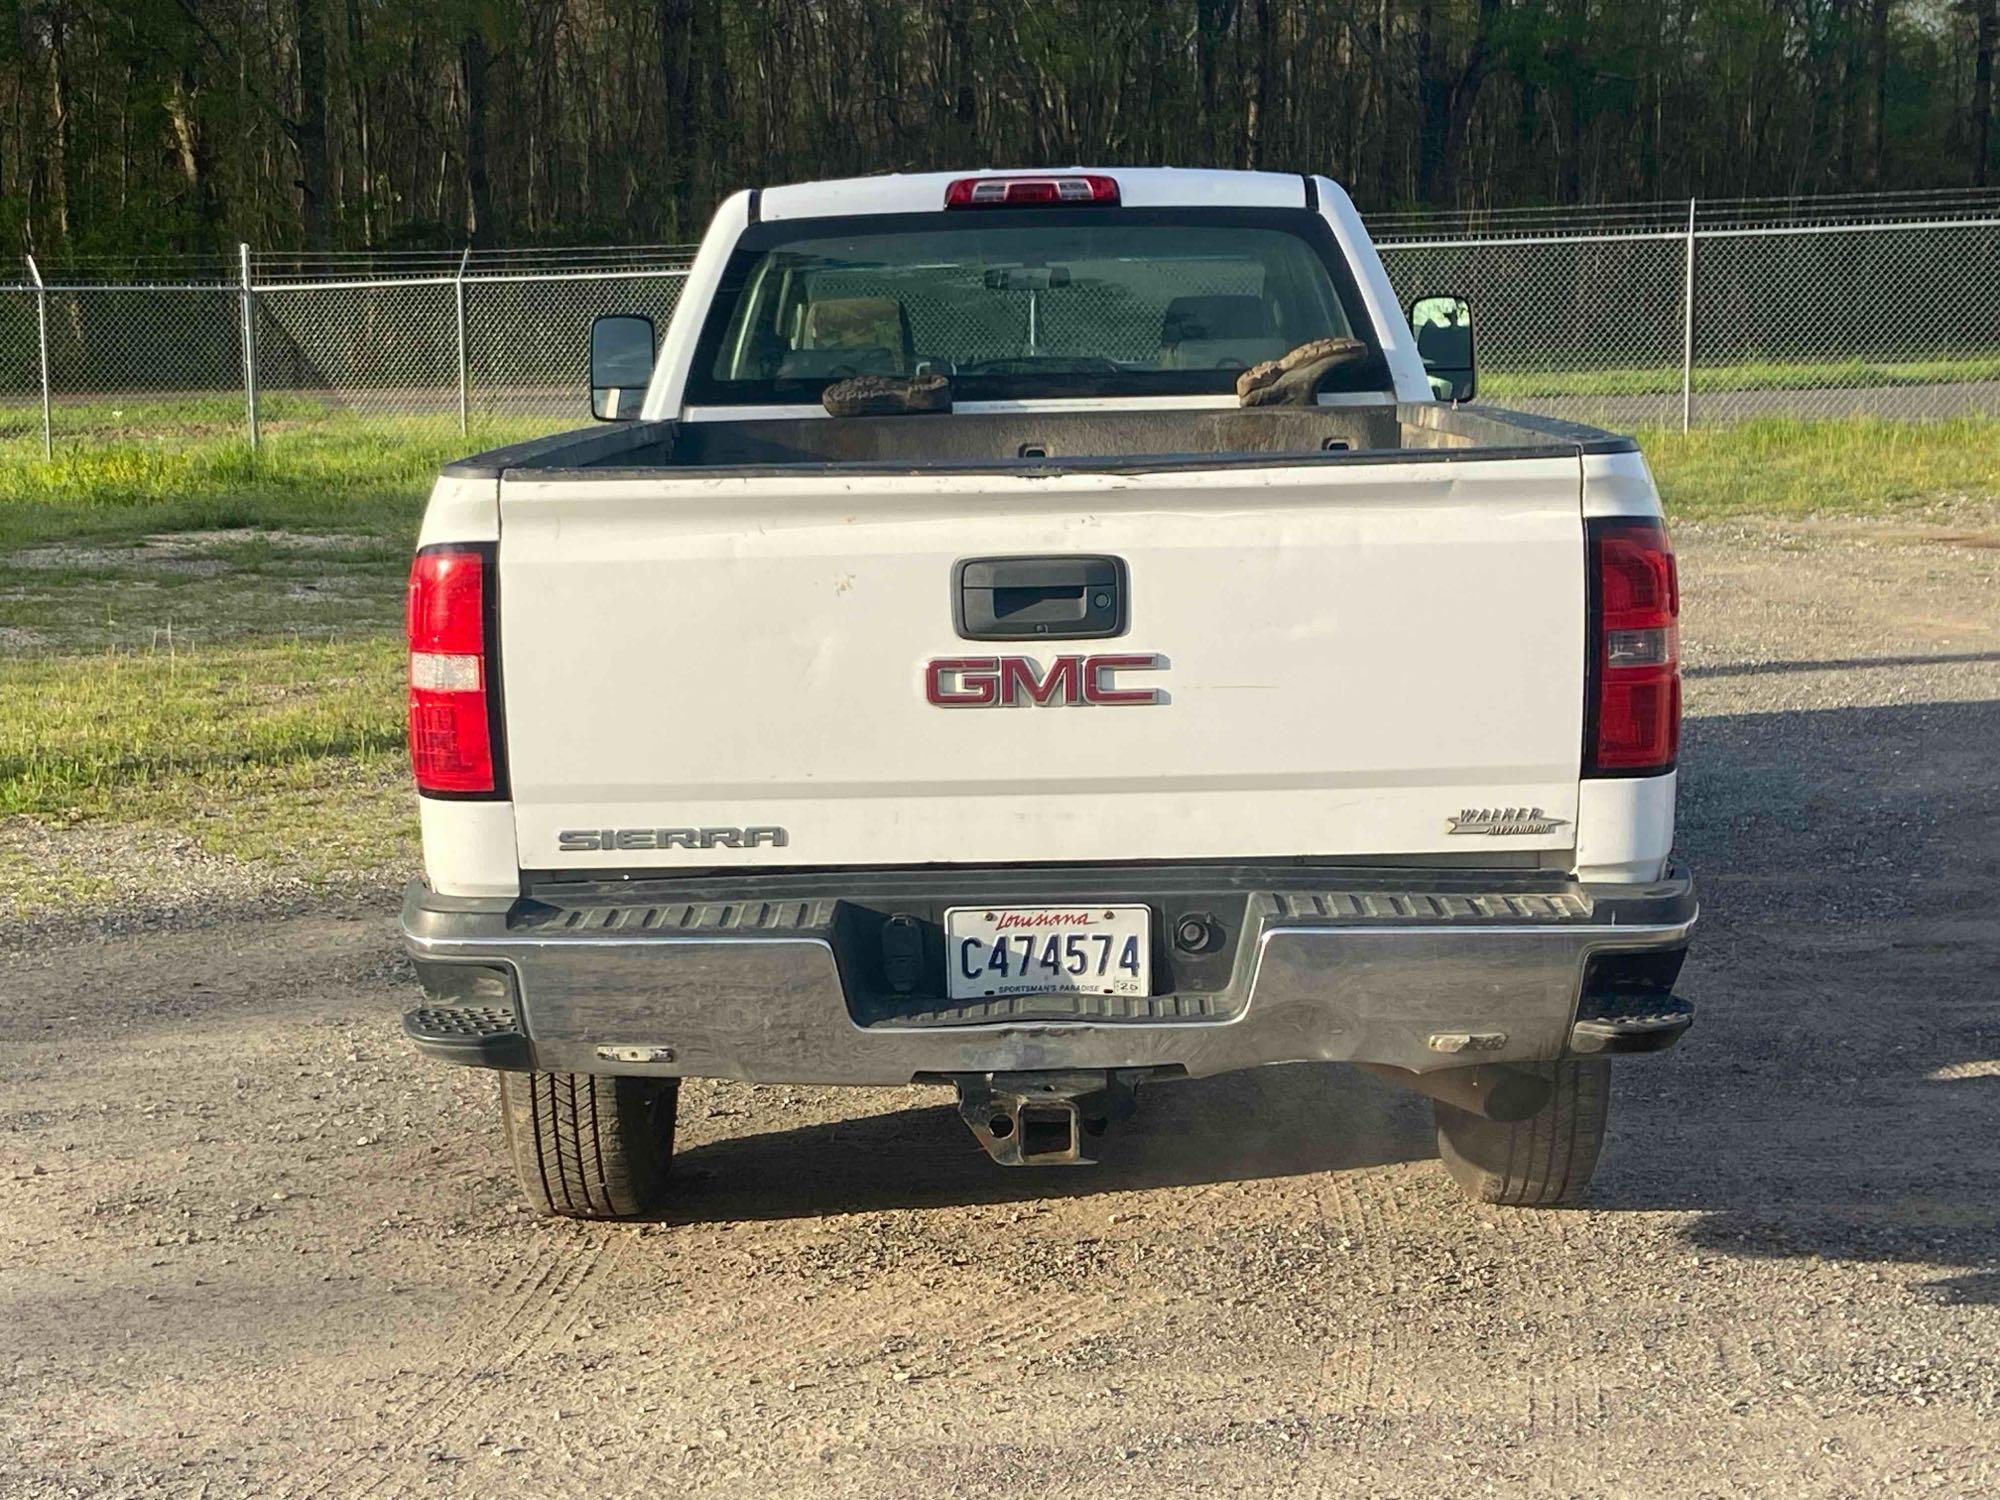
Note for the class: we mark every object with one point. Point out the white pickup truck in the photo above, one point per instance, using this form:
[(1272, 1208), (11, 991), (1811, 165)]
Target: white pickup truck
[(1089, 702)]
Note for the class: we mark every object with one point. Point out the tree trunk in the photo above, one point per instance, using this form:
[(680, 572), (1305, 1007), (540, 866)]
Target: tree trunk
[(716, 157), (1986, 38), (1388, 179), (62, 117), (1257, 119), (1878, 71), (964, 105), (1432, 94), (191, 150), (357, 75), (315, 195), (1445, 99), (1846, 98), (1211, 24), (473, 59), (676, 22)]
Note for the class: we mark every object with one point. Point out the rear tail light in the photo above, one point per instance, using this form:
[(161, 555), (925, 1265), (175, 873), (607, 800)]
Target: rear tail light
[(1076, 191), (452, 735), (1633, 723)]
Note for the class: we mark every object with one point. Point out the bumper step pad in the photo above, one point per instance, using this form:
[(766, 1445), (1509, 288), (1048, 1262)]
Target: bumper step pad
[(1637, 1023), (483, 1036)]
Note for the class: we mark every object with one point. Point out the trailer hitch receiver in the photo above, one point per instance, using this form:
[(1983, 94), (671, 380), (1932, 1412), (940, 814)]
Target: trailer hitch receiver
[(1045, 1119)]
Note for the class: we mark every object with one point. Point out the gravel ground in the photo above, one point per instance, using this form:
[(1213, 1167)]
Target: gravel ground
[(251, 1246)]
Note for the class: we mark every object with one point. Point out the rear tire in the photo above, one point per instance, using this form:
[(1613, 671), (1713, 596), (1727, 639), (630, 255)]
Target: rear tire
[(1544, 1161), (590, 1147)]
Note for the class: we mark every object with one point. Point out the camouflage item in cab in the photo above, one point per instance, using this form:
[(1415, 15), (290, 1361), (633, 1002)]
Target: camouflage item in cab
[(886, 395), (1294, 380)]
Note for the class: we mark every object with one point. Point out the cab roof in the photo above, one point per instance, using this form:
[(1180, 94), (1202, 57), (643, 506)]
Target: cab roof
[(1138, 187)]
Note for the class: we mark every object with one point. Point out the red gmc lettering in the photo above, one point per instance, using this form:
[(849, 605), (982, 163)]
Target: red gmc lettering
[(977, 687), (1016, 681), (1097, 684), (1062, 685)]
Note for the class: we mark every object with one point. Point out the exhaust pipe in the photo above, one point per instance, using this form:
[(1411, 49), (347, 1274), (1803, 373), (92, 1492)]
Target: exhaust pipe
[(1492, 1091)]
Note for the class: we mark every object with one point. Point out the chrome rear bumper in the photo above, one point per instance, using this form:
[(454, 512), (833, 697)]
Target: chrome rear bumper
[(780, 979)]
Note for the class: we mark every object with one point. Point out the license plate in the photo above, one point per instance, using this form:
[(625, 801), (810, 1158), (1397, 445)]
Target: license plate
[(1048, 950)]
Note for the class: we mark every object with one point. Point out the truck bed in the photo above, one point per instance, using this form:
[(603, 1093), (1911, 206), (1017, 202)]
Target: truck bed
[(1054, 441)]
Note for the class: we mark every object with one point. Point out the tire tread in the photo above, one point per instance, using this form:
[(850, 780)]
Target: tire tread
[(586, 1147), (1545, 1161)]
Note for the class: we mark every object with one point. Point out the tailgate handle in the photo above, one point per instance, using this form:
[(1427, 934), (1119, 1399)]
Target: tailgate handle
[(1038, 598)]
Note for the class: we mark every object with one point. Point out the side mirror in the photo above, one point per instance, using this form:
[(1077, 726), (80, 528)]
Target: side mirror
[(621, 365), (1443, 326)]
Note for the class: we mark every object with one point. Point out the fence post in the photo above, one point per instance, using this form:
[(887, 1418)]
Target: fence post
[(249, 342), (42, 325), (458, 287), (1687, 329)]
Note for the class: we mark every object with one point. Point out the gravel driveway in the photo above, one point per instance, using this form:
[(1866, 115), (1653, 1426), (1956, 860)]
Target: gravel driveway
[(250, 1245)]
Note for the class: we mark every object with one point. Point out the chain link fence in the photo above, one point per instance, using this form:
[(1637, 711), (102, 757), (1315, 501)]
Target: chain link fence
[(143, 361), (1685, 313), (20, 368), (481, 346), (528, 337), (1646, 315)]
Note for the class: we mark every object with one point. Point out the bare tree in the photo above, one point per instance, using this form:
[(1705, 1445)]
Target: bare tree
[(473, 60), (308, 129)]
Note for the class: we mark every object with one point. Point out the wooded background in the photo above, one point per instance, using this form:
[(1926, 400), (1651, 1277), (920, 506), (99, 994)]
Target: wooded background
[(144, 126)]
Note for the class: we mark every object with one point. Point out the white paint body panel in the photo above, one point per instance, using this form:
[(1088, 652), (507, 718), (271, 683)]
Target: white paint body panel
[(1399, 345), (1138, 187), (1355, 654), (676, 356), (1625, 828), (1618, 484), (461, 510), (469, 847)]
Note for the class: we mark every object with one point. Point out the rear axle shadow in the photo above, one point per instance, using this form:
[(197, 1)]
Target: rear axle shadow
[(1264, 1123)]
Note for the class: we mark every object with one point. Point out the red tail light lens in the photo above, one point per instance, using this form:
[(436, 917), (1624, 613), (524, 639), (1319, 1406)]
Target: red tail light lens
[(1077, 191), (451, 730), (1634, 724)]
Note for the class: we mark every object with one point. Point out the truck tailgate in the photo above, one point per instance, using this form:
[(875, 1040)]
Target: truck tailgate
[(1348, 657)]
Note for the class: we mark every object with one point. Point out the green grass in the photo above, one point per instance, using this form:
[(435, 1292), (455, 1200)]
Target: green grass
[(200, 648), (358, 474), (78, 732), (285, 756), (194, 588), (175, 416), (1864, 466), (1756, 375), (145, 541)]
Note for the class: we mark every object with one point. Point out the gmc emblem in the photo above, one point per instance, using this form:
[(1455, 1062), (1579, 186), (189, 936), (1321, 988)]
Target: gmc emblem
[(1011, 681)]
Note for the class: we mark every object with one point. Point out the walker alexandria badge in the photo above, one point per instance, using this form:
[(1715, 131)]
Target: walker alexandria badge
[(1505, 822)]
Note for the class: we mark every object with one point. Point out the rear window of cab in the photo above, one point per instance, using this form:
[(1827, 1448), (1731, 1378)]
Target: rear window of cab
[(1015, 304)]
